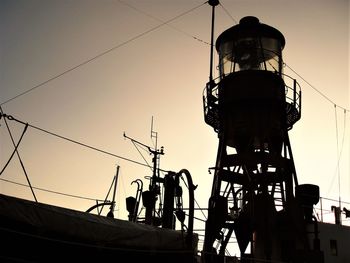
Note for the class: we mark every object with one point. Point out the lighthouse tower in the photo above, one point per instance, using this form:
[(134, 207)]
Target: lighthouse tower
[(255, 195)]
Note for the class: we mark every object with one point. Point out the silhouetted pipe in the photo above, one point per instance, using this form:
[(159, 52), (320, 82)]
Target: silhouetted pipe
[(337, 214), (168, 208), (135, 211), (316, 239), (97, 205), (191, 203)]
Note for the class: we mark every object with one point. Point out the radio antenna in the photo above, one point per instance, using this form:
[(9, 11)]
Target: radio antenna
[(154, 134)]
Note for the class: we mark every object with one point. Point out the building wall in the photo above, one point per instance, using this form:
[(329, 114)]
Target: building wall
[(334, 242)]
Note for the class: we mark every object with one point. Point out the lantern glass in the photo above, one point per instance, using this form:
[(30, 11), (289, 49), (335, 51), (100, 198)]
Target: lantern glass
[(250, 53)]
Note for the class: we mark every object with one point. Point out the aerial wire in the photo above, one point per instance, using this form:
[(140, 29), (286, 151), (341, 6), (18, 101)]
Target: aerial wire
[(103, 53)]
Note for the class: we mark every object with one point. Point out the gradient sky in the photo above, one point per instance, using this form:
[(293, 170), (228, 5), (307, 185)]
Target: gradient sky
[(161, 74)]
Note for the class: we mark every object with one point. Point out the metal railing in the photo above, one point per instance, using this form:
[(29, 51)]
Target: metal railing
[(292, 95), (332, 211)]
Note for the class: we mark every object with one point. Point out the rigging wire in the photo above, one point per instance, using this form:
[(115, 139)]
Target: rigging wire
[(15, 150), (140, 35), (234, 20), (149, 31), (104, 53), (133, 142), (79, 143), (19, 157), (195, 200), (314, 88), (51, 191), (339, 153), (337, 138), (99, 200), (87, 146), (167, 23), (345, 110), (109, 190)]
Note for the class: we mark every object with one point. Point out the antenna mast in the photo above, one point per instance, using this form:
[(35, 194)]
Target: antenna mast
[(110, 213), (154, 134), (213, 3), (150, 196)]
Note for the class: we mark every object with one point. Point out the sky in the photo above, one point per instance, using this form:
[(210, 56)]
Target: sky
[(111, 66)]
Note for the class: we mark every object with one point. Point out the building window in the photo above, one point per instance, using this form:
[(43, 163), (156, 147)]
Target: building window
[(334, 247)]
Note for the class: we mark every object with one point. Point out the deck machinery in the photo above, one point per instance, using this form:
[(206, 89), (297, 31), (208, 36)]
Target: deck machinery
[(255, 193)]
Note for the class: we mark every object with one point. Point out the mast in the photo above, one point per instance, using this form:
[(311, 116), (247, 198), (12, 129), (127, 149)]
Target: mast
[(111, 209), (213, 3), (150, 197)]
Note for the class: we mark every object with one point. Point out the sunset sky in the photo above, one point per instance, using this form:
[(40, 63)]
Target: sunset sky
[(133, 67)]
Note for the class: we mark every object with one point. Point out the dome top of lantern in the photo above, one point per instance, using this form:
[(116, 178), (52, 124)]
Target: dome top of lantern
[(250, 26), (250, 45)]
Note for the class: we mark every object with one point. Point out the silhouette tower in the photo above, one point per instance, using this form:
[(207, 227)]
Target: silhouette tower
[(252, 106)]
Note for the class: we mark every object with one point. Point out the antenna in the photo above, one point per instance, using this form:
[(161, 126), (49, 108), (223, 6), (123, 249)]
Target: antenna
[(150, 196), (213, 3), (110, 213), (156, 154), (154, 134)]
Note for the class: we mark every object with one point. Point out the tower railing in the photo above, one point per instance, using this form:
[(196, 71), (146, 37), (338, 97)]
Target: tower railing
[(292, 93), (293, 100), (328, 209), (210, 104)]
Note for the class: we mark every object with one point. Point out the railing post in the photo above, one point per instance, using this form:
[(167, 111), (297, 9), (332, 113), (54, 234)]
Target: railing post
[(321, 209), (294, 92)]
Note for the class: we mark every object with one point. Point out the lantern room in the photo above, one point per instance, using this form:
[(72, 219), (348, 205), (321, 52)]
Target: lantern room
[(253, 100), (250, 45)]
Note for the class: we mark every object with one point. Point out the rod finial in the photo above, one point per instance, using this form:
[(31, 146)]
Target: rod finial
[(213, 2)]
